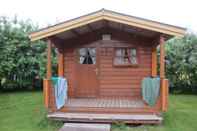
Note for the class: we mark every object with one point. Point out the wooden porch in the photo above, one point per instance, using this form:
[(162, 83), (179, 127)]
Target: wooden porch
[(107, 83), (105, 103), (132, 110), (106, 118)]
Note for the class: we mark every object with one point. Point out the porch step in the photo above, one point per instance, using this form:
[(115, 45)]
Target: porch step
[(106, 118), (85, 127)]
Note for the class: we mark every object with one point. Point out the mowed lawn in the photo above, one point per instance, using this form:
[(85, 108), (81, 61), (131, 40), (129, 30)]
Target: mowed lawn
[(24, 111)]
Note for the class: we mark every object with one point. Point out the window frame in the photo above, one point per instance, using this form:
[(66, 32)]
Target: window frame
[(126, 65)]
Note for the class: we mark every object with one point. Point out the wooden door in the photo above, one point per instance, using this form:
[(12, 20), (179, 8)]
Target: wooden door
[(87, 83)]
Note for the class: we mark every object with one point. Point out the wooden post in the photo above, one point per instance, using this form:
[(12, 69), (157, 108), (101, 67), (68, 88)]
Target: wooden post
[(162, 57), (164, 96), (47, 82), (60, 62), (163, 81), (154, 62), (46, 91), (49, 46)]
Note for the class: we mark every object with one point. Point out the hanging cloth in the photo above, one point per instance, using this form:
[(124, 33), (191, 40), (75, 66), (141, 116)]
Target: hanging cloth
[(150, 90), (60, 87)]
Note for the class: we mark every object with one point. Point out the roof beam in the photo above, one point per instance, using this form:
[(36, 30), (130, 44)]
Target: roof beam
[(90, 27), (92, 30), (106, 23), (75, 32)]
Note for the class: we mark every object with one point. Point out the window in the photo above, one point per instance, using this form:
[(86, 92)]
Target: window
[(125, 56), (106, 37), (87, 55)]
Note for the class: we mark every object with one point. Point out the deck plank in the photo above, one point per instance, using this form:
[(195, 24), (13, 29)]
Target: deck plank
[(105, 103), (93, 117)]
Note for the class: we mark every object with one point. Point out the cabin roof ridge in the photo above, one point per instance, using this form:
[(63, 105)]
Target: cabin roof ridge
[(108, 15)]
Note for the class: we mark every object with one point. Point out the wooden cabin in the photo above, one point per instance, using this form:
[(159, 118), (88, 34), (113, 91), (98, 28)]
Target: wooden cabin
[(104, 56)]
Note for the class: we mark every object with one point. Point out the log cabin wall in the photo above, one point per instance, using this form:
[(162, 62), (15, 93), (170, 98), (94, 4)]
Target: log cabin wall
[(113, 81), (123, 81)]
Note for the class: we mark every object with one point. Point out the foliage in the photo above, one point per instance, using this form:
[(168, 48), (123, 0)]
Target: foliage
[(181, 66), (22, 62)]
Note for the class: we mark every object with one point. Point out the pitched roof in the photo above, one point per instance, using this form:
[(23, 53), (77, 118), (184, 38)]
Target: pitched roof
[(109, 16)]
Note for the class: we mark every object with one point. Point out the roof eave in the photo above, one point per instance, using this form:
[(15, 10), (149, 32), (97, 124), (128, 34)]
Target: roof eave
[(110, 16)]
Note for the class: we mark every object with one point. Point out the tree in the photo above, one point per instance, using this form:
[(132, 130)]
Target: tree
[(182, 66), (21, 61)]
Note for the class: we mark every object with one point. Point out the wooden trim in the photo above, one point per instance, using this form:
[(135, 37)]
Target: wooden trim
[(106, 117), (49, 46), (154, 62), (148, 26), (60, 62), (110, 16), (46, 93), (162, 57), (164, 94)]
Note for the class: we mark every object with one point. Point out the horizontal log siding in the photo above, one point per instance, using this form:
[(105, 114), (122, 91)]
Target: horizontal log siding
[(69, 73), (123, 81)]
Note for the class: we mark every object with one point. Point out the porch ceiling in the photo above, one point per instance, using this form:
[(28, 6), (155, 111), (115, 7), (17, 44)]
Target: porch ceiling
[(105, 18), (93, 27)]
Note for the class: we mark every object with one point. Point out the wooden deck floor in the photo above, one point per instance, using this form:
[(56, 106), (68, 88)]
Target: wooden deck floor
[(105, 103)]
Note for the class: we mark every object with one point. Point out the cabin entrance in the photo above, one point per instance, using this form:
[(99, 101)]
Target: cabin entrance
[(86, 72)]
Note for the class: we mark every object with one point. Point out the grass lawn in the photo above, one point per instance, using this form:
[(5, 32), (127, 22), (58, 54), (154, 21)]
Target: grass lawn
[(24, 111)]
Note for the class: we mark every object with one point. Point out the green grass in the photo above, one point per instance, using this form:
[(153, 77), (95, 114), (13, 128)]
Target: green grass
[(181, 116), (24, 111)]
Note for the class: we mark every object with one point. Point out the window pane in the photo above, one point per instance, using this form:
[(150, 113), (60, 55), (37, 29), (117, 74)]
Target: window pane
[(81, 59), (119, 52), (125, 56), (118, 61), (92, 51), (94, 60), (87, 56), (82, 51), (133, 52), (133, 56), (133, 60)]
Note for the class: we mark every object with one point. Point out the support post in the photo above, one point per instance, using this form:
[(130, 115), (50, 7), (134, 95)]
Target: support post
[(154, 62), (164, 96), (163, 81), (47, 82), (162, 57), (60, 62), (49, 46)]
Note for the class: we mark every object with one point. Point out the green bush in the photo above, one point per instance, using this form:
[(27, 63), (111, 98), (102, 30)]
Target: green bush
[(22, 63), (181, 65)]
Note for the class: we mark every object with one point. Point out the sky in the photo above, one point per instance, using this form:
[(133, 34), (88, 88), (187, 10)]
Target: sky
[(48, 12)]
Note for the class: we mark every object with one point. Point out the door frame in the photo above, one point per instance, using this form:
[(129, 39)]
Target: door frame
[(76, 60)]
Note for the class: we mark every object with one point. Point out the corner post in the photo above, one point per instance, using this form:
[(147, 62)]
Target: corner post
[(162, 57), (49, 46), (47, 82), (60, 63), (154, 62), (163, 81)]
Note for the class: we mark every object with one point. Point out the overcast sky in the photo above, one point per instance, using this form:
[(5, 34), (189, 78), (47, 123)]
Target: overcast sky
[(46, 12)]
